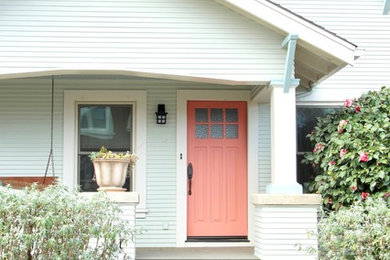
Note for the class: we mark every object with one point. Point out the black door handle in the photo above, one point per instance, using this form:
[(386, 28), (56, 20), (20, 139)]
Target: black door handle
[(190, 173)]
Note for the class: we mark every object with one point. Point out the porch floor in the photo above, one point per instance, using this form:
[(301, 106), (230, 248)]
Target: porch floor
[(236, 253)]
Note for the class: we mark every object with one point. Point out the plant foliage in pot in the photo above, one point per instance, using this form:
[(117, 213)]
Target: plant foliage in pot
[(111, 168)]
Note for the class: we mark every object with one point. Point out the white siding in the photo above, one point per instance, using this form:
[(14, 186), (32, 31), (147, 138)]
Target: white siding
[(192, 37), (128, 213), (280, 229), (25, 138), (264, 169), (362, 23)]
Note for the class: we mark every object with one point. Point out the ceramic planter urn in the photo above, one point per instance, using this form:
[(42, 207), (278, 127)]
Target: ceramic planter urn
[(110, 173)]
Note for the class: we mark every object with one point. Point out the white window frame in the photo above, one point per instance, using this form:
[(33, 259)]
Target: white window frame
[(72, 98), (183, 96)]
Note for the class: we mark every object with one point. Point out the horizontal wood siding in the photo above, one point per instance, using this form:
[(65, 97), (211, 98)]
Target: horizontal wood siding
[(264, 150), (161, 169), (361, 22), (279, 229), (25, 138), (128, 213), (192, 37)]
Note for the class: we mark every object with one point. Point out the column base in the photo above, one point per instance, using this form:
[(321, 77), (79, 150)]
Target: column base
[(282, 226), (293, 188)]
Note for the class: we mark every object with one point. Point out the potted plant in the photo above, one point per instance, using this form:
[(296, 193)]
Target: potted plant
[(111, 168)]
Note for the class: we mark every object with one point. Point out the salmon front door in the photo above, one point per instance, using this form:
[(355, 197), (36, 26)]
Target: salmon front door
[(217, 163)]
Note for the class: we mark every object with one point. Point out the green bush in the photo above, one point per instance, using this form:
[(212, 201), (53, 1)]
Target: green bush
[(361, 231), (58, 224), (351, 151)]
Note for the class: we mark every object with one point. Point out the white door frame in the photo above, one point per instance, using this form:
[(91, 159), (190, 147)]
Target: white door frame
[(181, 178)]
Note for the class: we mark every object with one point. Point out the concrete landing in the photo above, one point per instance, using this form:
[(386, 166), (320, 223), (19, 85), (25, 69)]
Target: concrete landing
[(233, 253)]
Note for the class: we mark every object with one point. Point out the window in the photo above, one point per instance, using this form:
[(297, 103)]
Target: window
[(306, 121), (102, 125)]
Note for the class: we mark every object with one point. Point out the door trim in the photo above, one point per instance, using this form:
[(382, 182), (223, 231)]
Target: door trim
[(181, 148)]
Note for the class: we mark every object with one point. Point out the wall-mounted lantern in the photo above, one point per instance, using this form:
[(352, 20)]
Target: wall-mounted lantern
[(161, 115)]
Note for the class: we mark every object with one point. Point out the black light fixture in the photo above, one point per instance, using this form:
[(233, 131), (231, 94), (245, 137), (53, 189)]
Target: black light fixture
[(161, 115)]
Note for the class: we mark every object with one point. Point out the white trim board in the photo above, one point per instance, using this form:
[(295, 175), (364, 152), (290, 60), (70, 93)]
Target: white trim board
[(181, 181), (138, 98)]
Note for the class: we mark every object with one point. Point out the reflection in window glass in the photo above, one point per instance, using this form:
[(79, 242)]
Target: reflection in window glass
[(231, 115), (306, 121), (201, 115), (102, 125), (216, 115)]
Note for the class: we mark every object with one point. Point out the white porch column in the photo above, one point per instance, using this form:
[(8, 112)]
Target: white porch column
[(283, 141)]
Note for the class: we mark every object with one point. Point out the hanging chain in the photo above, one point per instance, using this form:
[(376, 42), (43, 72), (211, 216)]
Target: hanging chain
[(51, 156)]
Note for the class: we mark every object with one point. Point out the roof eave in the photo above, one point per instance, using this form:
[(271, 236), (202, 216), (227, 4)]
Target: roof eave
[(311, 36)]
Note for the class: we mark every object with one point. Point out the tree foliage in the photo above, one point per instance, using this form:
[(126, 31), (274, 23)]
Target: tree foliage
[(352, 151)]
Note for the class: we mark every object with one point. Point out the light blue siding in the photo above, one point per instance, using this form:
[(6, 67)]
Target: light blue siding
[(264, 150), (191, 38), (25, 138)]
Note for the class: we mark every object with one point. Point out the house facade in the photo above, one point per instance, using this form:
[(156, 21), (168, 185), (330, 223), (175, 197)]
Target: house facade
[(230, 75)]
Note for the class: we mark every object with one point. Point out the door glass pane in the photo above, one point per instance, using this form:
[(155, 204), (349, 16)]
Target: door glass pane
[(102, 125), (216, 115), (201, 115), (231, 131), (231, 115), (216, 131), (201, 131)]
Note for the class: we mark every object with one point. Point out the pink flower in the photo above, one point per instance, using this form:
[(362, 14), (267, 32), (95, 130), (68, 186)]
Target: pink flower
[(348, 102), (317, 147), (363, 157), (353, 188), (312, 132), (364, 195), (357, 109), (331, 163), (341, 126), (387, 194), (329, 200), (342, 152)]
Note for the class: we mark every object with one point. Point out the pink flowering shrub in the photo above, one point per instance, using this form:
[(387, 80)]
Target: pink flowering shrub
[(351, 155)]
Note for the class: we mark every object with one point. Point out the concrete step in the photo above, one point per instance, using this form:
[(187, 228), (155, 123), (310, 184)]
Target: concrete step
[(232, 253)]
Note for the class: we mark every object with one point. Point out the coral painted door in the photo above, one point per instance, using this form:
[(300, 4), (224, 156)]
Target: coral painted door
[(217, 151)]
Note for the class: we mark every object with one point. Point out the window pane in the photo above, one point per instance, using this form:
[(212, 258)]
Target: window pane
[(102, 125), (305, 173), (216, 115), (216, 131), (231, 131), (86, 175), (201, 131), (306, 120), (201, 115), (231, 115)]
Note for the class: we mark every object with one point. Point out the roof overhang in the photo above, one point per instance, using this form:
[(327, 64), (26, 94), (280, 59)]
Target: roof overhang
[(319, 53), (130, 73)]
